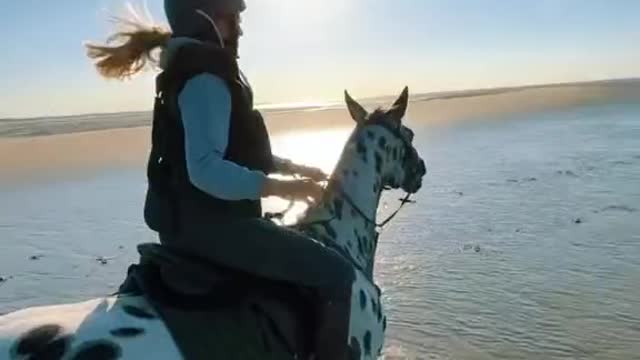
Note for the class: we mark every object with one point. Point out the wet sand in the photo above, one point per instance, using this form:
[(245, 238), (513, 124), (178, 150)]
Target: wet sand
[(123, 140)]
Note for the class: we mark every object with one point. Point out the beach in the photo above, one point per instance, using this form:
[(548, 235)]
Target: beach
[(522, 244), (48, 146)]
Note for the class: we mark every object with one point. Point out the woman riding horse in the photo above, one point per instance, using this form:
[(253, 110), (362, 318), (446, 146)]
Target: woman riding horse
[(210, 159)]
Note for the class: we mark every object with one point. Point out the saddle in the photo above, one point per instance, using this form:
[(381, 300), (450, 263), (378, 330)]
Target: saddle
[(209, 309)]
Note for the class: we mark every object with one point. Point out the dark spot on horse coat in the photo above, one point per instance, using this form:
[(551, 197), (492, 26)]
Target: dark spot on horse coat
[(56, 349), (329, 230), (370, 134), (355, 350), (338, 205), (384, 323), (367, 343), (360, 246), (138, 312), (378, 162), (374, 306), (42, 343), (365, 245), (362, 150), (127, 332), (311, 231), (363, 300), (98, 350), (382, 142)]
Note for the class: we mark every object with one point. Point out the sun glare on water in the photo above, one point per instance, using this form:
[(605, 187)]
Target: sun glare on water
[(319, 148)]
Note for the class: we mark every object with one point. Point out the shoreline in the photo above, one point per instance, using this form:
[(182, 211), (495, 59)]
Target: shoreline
[(59, 125), (23, 157)]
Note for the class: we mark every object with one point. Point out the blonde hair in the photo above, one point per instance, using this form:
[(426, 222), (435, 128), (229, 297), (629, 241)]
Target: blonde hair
[(134, 52)]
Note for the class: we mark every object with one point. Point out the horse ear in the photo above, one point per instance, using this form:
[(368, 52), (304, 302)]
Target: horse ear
[(358, 113), (399, 108)]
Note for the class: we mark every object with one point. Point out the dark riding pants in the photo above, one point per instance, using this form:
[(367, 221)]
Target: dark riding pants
[(264, 249)]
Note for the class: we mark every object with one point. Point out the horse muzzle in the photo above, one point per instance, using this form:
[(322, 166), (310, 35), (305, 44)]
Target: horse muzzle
[(413, 182)]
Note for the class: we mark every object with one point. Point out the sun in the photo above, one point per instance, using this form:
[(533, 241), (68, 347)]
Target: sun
[(320, 148)]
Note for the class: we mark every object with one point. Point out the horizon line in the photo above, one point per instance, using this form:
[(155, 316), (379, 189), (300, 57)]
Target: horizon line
[(309, 105)]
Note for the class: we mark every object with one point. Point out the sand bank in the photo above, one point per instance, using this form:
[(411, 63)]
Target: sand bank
[(37, 155)]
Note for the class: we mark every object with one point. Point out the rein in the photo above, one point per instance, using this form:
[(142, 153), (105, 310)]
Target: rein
[(406, 200), (381, 225), (347, 198)]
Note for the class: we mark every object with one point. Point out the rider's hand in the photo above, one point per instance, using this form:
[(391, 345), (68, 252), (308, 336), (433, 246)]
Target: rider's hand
[(313, 173), (303, 190)]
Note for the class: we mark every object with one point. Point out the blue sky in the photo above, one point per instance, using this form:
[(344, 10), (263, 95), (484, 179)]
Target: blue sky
[(309, 51)]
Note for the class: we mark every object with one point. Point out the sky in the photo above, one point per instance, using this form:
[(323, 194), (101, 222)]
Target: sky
[(297, 51)]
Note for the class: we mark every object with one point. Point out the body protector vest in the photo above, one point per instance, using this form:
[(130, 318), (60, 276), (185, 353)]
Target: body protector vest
[(172, 200)]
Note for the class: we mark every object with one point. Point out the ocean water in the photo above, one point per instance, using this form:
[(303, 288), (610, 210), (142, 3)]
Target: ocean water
[(524, 242)]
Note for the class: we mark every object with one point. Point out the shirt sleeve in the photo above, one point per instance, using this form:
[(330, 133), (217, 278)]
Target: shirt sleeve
[(205, 108)]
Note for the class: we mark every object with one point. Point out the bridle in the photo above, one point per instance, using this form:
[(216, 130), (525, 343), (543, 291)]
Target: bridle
[(381, 225), (408, 151)]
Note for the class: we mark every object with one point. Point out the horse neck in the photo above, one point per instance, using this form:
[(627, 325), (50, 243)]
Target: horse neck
[(353, 191)]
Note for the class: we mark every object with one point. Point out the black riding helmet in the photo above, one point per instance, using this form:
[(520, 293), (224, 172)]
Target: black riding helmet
[(185, 19)]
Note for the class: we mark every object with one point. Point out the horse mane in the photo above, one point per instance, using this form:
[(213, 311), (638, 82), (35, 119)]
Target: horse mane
[(377, 115)]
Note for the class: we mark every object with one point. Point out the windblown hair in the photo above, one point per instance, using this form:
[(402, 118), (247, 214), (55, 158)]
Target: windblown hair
[(134, 52)]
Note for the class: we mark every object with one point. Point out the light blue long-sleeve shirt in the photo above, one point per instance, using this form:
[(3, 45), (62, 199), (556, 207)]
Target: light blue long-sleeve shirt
[(205, 106)]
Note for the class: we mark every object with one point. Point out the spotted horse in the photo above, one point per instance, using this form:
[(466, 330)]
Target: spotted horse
[(378, 155)]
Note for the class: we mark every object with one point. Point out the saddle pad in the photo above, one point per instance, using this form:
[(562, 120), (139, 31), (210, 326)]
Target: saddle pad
[(224, 331)]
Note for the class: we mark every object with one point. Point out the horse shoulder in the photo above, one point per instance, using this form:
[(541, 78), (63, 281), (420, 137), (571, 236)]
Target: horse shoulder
[(122, 326)]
